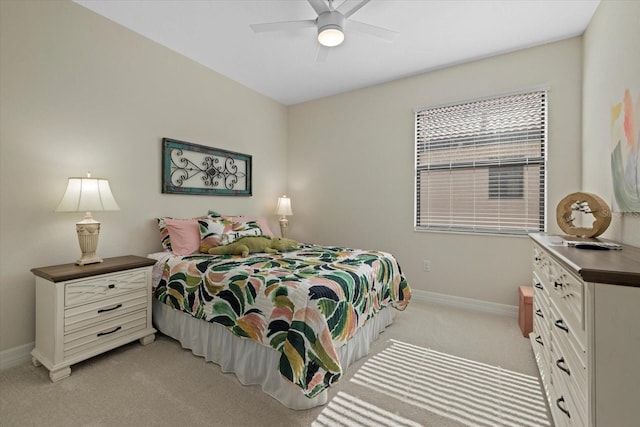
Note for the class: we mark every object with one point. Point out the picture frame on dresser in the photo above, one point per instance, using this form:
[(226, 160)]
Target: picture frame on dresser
[(83, 311)]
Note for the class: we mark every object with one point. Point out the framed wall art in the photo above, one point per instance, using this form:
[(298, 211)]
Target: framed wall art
[(625, 153), (197, 169)]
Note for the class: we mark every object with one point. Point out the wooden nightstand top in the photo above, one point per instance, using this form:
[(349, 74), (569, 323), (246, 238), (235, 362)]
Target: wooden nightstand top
[(64, 272)]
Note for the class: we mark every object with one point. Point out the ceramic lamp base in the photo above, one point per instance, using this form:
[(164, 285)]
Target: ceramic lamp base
[(88, 234), (284, 224)]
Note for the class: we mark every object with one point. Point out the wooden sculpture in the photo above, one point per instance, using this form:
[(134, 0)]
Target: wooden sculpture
[(586, 203)]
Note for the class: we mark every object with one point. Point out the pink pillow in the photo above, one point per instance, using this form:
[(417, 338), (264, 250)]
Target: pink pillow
[(184, 235)]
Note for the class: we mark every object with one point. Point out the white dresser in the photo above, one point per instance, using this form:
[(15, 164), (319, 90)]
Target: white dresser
[(82, 311), (586, 332)]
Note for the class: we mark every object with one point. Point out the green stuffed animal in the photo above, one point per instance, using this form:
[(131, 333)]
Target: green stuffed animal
[(251, 244)]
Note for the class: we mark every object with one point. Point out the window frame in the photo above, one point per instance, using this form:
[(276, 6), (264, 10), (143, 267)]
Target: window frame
[(534, 165)]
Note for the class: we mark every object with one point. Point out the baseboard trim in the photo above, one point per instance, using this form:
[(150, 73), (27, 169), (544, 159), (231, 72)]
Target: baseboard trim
[(467, 303), (15, 356)]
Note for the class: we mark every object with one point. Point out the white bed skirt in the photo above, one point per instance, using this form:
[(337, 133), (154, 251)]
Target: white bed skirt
[(254, 363)]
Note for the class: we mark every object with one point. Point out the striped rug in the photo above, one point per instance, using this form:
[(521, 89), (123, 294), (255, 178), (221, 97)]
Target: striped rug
[(465, 391)]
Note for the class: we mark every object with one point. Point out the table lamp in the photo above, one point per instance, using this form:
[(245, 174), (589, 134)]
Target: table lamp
[(86, 195), (283, 209)]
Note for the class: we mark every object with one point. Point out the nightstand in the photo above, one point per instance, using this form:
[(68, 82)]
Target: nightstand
[(83, 311)]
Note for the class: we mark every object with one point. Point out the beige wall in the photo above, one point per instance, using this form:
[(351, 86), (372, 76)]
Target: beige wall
[(611, 65), (80, 93), (351, 169)]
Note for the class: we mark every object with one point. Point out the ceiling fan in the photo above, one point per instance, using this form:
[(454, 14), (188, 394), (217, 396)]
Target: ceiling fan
[(330, 23)]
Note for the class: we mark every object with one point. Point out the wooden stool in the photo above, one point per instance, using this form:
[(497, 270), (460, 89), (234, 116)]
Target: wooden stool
[(526, 310)]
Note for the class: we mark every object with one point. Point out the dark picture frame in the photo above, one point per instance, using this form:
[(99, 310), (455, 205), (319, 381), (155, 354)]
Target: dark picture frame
[(195, 169)]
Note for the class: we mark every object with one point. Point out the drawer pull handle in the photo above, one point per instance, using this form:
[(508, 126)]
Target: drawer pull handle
[(539, 313), (557, 285), (560, 363), (102, 310), (539, 340), (539, 285), (110, 332), (112, 285), (563, 409), (561, 325)]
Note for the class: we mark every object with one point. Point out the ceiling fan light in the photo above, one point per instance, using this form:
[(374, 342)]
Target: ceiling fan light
[(330, 35)]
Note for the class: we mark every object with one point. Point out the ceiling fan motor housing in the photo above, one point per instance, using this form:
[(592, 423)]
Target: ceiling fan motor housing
[(330, 28)]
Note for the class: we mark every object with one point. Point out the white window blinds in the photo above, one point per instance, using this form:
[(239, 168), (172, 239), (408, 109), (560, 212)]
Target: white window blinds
[(480, 165)]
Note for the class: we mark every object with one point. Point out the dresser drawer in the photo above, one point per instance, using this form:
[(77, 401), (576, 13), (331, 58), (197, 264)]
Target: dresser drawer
[(568, 293), (569, 356), (563, 332), (541, 342), (540, 291), (92, 337), (88, 314), (542, 265), (103, 287), (569, 409)]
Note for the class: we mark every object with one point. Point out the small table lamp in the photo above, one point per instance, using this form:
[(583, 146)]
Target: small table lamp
[(283, 209), (86, 195)]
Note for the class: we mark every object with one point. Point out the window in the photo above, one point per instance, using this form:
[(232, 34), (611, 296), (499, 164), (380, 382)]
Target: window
[(506, 182), (480, 165)]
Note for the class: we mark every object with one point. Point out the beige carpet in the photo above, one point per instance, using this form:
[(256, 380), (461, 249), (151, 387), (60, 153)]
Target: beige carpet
[(164, 385)]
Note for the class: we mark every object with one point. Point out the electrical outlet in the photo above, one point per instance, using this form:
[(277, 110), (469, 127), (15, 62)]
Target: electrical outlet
[(426, 265)]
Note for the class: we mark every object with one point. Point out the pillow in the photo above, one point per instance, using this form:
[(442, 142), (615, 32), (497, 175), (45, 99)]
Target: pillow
[(184, 235), (211, 231), (224, 230), (165, 238), (261, 222), (240, 229), (164, 234)]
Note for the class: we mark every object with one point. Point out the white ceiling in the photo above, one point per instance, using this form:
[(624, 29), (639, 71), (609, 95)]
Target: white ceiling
[(282, 65)]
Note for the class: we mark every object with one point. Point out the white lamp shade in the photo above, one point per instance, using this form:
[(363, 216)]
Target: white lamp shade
[(284, 206), (87, 194)]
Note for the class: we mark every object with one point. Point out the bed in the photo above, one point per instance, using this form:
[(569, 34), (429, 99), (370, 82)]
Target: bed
[(290, 322)]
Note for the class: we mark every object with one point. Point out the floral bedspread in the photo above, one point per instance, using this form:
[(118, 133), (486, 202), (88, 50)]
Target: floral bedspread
[(305, 303)]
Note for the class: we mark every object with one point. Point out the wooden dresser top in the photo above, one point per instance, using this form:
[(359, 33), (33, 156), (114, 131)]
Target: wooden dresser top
[(614, 267), (64, 272)]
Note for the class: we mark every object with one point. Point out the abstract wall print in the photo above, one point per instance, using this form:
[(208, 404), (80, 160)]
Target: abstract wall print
[(197, 169), (625, 154)]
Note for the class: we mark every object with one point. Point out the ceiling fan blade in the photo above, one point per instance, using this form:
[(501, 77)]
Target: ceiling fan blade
[(283, 26), (372, 30), (320, 6), (349, 7), (322, 52)]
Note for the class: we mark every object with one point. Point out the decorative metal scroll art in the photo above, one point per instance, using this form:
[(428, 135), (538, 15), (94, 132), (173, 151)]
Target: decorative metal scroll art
[(196, 169), (583, 203)]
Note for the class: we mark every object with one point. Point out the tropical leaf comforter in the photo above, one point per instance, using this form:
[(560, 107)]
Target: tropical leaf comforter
[(305, 304)]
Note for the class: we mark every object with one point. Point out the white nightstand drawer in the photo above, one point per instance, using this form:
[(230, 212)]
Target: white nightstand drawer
[(85, 315), (85, 339), (105, 286)]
